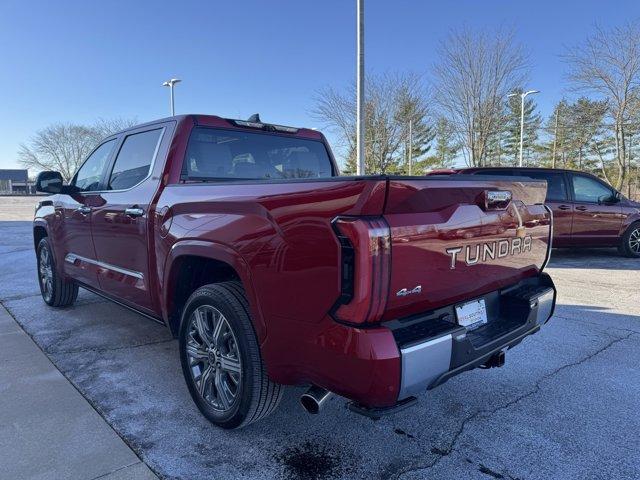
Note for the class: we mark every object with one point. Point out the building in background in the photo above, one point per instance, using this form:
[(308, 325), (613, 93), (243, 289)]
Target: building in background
[(16, 182)]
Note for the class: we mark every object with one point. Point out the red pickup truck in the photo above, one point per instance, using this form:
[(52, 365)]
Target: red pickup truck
[(272, 270)]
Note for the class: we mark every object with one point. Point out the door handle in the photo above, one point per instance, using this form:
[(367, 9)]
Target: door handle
[(83, 209), (134, 212), (564, 207), (582, 209)]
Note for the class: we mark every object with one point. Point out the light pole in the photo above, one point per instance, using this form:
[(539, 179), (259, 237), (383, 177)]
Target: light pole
[(410, 147), (170, 84), (360, 164), (522, 97)]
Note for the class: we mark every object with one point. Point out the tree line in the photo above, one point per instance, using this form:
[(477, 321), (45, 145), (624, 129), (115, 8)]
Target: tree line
[(467, 106), (462, 109)]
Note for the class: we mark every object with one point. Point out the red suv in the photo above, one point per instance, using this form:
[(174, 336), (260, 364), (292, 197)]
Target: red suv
[(587, 211)]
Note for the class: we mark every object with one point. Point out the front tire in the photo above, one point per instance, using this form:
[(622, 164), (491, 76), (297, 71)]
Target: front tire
[(55, 290), (630, 242), (221, 359)]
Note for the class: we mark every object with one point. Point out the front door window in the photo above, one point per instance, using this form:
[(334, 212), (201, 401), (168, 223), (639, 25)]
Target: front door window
[(89, 176), (589, 190)]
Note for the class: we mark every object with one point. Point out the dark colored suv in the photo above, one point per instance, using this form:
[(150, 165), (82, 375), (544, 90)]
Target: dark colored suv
[(587, 211)]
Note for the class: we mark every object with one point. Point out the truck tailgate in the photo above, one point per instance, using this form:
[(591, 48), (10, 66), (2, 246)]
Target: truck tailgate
[(449, 244)]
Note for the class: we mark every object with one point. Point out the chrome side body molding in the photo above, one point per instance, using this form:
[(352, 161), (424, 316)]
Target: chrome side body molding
[(72, 258)]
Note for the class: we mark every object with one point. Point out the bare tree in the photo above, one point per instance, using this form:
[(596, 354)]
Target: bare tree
[(60, 147), (608, 64), (63, 146), (392, 102), (105, 127), (475, 73)]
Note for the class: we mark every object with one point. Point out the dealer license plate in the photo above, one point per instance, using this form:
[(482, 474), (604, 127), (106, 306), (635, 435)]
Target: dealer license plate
[(472, 314)]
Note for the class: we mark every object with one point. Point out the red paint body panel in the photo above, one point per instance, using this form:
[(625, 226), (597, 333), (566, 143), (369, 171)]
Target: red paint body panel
[(279, 239)]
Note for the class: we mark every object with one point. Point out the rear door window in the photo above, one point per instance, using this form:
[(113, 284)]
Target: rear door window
[(216, 154), (134, 159), (556, 186)]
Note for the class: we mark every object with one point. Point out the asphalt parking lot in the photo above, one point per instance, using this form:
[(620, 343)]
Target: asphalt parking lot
[(565, 405)]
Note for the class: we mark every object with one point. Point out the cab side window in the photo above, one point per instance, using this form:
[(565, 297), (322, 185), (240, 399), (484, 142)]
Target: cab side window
[(587, 189), (134, 159), (89, 176)]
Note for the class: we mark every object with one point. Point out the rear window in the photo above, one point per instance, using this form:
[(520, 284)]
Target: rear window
[(215, 154)]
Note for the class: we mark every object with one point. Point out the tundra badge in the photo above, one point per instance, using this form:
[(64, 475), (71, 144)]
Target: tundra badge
[(483, 252)]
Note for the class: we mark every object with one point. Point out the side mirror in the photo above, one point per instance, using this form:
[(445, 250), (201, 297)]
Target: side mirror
[(49, 182)]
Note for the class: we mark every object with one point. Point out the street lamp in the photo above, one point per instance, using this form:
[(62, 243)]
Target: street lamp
[(522, 97), (360, 135), (170, 84)]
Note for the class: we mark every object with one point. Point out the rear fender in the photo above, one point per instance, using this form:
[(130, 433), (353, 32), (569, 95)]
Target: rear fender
[(213, 251)]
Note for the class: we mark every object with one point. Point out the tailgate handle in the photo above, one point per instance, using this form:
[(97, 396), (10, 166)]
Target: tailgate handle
[(495, 199)]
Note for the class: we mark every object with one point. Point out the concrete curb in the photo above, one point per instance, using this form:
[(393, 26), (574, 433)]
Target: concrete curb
[(47, 428)]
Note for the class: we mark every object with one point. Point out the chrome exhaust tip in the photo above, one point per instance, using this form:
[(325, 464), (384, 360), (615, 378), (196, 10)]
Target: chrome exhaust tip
[(314, 399)]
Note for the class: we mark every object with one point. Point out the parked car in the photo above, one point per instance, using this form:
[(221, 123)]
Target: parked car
[(273, 270), (587, 212)]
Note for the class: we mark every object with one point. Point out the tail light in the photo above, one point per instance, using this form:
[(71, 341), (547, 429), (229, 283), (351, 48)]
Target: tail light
[(366, 265)]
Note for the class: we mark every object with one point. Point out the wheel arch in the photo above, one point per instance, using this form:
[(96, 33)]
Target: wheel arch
[(628, 222), (191, 264), (39, 232)]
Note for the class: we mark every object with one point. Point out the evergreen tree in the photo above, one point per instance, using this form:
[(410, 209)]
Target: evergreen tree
[(553, 151), (392, 103), (446, 147), (582, 133)]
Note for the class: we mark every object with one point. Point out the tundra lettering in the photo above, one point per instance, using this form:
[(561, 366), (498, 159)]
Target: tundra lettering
[(481, 252), (271, 269)]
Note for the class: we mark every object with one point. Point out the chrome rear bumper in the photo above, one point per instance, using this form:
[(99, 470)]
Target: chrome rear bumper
[(434, 360)]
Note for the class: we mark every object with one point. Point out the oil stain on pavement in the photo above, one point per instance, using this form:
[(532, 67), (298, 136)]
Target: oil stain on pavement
[(311, 461)]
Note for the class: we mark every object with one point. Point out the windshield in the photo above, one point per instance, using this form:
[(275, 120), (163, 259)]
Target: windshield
[(216, 154)]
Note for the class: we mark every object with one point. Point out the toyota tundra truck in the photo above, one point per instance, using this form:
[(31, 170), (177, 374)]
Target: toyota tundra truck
[(271, 269)]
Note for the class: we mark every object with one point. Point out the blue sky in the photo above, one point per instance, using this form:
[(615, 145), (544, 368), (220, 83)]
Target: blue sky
[(68, 61)]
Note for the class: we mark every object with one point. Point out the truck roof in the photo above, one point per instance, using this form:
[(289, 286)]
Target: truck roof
[(216, 121)]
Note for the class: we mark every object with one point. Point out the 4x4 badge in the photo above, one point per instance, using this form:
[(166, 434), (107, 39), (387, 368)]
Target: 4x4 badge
[(405, 291)]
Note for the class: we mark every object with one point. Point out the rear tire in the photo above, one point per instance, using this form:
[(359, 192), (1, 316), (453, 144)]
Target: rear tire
[(630, 242), (56, 291), (221, 360)]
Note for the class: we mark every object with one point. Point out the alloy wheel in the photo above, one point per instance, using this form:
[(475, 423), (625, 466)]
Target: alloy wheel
[(214, 358), (45, 271), (634, 241)]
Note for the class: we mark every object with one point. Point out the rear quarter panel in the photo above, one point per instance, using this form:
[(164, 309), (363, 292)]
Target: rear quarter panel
[(282, 232)]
